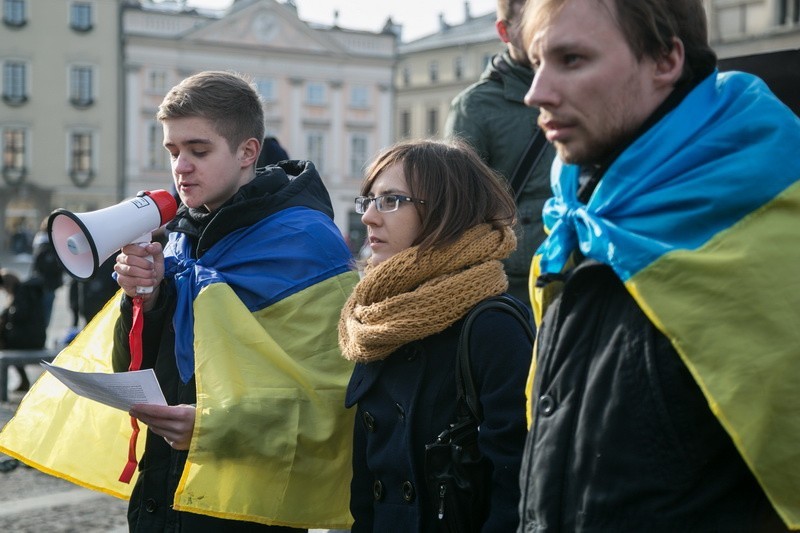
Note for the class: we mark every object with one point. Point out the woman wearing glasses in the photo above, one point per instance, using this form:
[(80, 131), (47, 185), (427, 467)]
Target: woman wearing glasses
[(439, 222)]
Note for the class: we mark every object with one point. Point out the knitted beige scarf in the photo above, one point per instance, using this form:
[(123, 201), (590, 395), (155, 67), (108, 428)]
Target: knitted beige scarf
[(414, 294)]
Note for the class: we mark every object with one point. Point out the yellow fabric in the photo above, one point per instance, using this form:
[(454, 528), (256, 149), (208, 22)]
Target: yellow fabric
[(70, 437), (732, 311), (264, 449)]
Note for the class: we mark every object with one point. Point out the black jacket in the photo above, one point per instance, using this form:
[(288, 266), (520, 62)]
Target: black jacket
[(623, 438)]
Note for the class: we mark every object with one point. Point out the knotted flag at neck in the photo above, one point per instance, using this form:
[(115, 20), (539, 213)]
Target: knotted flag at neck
[(727, 149)]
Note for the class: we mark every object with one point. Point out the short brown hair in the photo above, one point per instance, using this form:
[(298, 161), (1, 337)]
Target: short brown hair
[(648, 27), (460, 191), (229, 101)]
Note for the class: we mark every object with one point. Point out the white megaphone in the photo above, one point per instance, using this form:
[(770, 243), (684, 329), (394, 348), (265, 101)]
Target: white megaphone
[(83, 241)]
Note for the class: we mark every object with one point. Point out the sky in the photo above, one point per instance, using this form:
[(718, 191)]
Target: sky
[(418, 17)]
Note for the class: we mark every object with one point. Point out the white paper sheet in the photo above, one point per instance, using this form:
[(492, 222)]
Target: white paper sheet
[(120, 390)]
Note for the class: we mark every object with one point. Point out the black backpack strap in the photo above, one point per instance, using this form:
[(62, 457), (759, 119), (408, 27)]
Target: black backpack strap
[(536, 146), (528, 162), (468, 404)]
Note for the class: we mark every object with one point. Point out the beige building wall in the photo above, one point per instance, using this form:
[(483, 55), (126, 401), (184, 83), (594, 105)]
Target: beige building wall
[(747, 27), (433, 69), (327, 92), (51, 51)]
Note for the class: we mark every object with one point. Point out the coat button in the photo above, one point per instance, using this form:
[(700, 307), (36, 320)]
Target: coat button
[(150, 505), (377, 490), (369, 421), (546, 405), (401, 413), (408, 491), (412, 352)]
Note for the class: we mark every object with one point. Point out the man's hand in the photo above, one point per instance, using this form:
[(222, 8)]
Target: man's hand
[(134, 269), (173, 422)]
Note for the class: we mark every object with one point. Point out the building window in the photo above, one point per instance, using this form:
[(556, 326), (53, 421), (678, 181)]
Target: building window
[(432, 125), (458, 68), (80, 16), (788, 12), (81, 171), (405, 124), (157, 82), (14, 13), (433, 71), (359, 96), (315, 94), (14, 155), (358, 154), (15, 89), (157, 156), (406, 76), (315, 148), (80, 86), (266, 89)]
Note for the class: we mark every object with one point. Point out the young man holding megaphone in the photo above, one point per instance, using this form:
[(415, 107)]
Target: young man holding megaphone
[(240, 328)]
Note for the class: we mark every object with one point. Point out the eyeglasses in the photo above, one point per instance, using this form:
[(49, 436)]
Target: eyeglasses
[(385, 203)]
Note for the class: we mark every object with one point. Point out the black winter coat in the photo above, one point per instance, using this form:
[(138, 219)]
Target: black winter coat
[(407, 399), (22, 323), (623, 438)]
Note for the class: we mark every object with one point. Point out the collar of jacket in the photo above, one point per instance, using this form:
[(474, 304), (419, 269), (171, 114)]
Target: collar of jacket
[(515, 78)]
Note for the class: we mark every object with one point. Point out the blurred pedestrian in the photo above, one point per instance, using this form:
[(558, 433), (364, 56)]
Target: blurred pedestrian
[(46, 267), (21, 322), (271, 152)]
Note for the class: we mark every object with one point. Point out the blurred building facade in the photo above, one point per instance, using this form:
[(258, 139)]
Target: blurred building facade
[(327, 91), (433, 69), (81, 81), (60, 115)]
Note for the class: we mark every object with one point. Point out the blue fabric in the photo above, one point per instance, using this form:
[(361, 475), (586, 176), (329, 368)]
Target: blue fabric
[(687, 178), (263, 264)]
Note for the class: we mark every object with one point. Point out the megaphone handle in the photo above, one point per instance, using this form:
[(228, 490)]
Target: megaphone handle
[(143, 241)]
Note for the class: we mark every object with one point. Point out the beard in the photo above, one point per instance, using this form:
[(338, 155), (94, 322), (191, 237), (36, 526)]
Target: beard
[(596, 147)]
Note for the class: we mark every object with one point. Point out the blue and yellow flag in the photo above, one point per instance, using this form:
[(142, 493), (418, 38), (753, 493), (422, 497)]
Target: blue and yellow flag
[(272, 439), (700, 218)]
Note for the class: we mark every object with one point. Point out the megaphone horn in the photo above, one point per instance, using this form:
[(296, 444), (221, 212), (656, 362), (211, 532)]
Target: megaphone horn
[(83, 241)]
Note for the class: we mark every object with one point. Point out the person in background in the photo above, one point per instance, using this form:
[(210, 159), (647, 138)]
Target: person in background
[(21, 321), (47, 267), (246, 297), (492, 116), (271, 153), (439, 222), (664, 388)]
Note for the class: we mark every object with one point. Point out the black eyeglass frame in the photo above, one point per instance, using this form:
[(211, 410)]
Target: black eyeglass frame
[(362, 202)]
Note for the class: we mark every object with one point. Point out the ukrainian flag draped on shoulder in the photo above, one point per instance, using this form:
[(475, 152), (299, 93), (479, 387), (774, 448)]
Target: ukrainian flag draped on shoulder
[(256, 323), (700, 218)]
